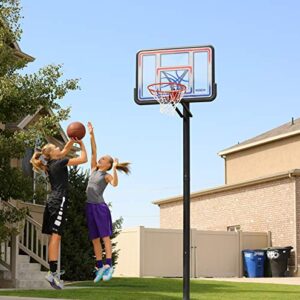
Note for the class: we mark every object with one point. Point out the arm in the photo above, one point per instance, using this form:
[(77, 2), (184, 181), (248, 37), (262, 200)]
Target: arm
[(67, 148), (81, 159), (113, 179), (93, 146)]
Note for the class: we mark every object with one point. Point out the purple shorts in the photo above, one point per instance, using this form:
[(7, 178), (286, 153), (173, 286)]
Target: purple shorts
[(98, 220)]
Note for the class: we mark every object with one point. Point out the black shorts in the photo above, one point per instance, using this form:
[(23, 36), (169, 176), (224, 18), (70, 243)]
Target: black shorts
[(54, 218)]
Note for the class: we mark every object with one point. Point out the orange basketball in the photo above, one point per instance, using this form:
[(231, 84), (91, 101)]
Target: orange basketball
[(76, 130)]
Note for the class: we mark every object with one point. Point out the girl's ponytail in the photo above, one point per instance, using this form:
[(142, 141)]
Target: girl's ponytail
[(40, 165), (37, 164)]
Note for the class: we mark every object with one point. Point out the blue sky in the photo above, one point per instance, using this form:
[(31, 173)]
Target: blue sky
[(257, 51)]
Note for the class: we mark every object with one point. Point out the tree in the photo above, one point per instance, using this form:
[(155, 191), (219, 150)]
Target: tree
[(11, 221), (22, 95), (77, 252)]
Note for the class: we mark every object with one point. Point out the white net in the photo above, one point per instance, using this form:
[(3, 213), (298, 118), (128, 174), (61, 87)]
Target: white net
[(168, 95)]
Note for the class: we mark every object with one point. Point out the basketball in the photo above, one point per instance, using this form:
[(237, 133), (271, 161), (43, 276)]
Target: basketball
[(76, 130)]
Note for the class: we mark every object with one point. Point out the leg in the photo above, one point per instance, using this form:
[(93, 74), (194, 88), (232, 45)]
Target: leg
[(53, 222), (53, 249), (108, 249), (109, 270), (99, 265), (97, 248)]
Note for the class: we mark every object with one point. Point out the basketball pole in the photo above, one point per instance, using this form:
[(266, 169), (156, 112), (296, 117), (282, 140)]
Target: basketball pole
[(186, 200)]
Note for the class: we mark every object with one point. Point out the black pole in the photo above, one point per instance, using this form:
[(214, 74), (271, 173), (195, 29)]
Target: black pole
[(186, 202)]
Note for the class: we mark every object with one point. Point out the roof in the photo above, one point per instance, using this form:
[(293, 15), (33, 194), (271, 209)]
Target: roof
[(228, 187), (14, 45), (60, 139), (21, 54), (286, 130)]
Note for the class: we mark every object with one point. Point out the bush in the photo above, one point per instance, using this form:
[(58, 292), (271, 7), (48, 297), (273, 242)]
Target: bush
[(11, 220)]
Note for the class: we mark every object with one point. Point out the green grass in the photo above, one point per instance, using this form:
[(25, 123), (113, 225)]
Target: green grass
[(165, 289)]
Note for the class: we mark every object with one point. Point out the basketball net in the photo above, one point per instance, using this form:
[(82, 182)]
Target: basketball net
[(168, 95)]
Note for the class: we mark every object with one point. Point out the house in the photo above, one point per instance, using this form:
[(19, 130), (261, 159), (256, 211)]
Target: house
[(24, 256), (261, 191)]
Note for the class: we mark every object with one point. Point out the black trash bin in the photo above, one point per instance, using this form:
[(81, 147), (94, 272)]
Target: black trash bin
[(277, 261)]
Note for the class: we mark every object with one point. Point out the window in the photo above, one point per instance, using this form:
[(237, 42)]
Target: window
[(234, 228)]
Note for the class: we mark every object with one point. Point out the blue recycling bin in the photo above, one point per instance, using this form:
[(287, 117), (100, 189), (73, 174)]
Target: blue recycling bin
[(254, 261)]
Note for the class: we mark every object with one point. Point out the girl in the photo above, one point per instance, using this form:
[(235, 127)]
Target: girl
[(52, 162), (97, 212)]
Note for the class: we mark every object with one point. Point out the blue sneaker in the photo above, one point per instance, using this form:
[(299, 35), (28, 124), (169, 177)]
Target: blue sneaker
[(108, 272), (54, 280), (99, 273)]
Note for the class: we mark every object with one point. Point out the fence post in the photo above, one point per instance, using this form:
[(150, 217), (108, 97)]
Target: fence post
[(240, 264), (193, 260), (269, 239), (141, 237), (14, 251)]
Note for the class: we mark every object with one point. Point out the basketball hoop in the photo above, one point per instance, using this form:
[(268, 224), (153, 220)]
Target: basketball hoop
[(168, 94)]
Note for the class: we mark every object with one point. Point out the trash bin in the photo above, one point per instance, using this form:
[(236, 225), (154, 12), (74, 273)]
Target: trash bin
[(267, 267), (277, 261), (254, 261)]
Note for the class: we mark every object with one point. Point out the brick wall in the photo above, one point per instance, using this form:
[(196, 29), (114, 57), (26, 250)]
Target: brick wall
[(262, 207), (298, 216)]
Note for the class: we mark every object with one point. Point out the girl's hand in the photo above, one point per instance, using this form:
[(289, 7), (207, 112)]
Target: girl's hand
[(115, 163), (77, 141), (90, 127), (70, 143)]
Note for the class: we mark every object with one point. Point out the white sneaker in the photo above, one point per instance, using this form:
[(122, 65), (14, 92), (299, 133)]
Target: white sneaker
[(54, 280), (108, 273), (99, 273)]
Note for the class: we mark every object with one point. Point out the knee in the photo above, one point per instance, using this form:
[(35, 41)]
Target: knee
[(55, 237), (96, 241), (106, 239)]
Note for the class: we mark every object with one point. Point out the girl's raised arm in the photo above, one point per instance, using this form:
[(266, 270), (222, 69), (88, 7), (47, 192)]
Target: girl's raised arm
[(93, 146), (81, 159), (67, 148)]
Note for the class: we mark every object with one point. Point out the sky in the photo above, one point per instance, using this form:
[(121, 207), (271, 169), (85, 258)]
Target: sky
[(257, 63)]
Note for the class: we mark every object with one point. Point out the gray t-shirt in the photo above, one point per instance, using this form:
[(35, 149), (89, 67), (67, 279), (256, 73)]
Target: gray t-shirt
[(96, 186)]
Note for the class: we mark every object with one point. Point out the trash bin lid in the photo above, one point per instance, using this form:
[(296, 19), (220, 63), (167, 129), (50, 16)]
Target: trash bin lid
[(254, 252), (279, 248)]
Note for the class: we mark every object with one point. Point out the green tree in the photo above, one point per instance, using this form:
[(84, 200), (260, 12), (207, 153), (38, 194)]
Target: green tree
[(11, 221), (77, 252), (23, 94)]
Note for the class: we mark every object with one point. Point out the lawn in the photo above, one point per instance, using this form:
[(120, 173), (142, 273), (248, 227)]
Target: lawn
[(168, 289)]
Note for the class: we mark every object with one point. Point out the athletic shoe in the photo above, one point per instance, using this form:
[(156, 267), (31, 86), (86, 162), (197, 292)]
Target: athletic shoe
[(99, 273), (54, 280), (108, 272)]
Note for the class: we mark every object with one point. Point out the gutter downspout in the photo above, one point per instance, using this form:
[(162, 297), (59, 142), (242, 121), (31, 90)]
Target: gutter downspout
[(225, 167), (295, 219)]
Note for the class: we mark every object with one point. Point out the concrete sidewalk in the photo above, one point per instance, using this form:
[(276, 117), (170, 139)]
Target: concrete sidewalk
[(273, 280)]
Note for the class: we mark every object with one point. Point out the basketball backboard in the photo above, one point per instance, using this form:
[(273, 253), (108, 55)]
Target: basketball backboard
[(190, 66)]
